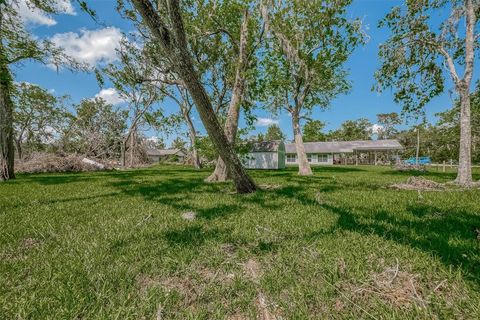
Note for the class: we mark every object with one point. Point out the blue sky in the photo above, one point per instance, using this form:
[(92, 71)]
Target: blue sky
[(95, 43)]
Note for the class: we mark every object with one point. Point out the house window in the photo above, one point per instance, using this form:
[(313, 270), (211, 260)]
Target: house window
[(323, 158), (291, 158), (309, 157)]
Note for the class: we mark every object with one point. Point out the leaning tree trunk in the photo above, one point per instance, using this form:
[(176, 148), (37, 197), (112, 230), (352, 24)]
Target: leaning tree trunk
[(243, 183), (175, 44), (221, 173), (7, 151), (303, 165), (464, 175)]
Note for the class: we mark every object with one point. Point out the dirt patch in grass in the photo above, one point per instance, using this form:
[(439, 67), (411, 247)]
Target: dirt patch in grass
[(182, 285), (253, 270), (189, 216), (216, 275), (264, 307), (399, 288), (20, 252), (237, 316), (30, 243), (229, 249), (419, 183)]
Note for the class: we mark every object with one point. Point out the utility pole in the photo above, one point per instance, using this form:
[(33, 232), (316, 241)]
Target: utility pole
[(418, 145)]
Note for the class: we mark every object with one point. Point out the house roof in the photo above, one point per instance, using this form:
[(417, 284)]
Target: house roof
[(267, 146), (164, 152), (346, 146)]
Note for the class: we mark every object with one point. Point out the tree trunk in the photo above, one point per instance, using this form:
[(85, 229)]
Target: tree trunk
[(193, 137), (303, 165), (417, 152), (132, 146), (464, 174), (174, 43), (123, 157), (221, 172), (18, 145), (7, 151), (243, 183)]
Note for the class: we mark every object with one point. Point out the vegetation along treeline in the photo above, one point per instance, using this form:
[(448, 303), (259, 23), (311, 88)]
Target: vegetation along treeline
[(222, 59)]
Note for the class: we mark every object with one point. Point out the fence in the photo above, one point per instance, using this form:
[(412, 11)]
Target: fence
[(445, 165)]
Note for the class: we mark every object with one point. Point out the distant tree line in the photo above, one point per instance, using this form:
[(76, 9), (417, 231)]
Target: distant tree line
[(222, 59)]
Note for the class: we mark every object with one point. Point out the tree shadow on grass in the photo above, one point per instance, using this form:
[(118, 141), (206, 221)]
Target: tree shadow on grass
[(449, 235), (192, 236), (446, 233), (63, 200), (56, 179)]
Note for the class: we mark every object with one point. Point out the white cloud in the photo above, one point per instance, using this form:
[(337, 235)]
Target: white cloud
[(153, 139), (265, 122), (376, 128), (31, 15), (90, 46), (110, 96)]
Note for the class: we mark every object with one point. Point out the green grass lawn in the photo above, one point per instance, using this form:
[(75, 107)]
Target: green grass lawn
[(114, 245)]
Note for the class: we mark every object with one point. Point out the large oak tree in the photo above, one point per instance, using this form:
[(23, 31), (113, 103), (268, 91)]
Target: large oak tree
[(417, 52)]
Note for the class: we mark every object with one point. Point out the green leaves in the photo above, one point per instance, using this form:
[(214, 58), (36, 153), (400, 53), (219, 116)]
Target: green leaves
[(308, 45), (38, 116), (412, 59)]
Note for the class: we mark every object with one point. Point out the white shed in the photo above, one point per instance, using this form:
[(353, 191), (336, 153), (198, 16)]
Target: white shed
[(266, 155)]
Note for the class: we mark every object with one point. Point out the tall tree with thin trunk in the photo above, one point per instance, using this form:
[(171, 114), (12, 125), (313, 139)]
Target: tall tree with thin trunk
[(166, 26), (304, 67), (186, 107), (140, 96), (231, 124), (417, 58), (181, 97)]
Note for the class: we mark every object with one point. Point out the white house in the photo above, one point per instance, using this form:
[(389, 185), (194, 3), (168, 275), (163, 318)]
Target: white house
[(157, 155), (343, 152), (266, 155)]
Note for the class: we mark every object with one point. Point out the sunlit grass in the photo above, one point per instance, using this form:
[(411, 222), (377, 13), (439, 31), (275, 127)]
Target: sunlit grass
[(339, 244)]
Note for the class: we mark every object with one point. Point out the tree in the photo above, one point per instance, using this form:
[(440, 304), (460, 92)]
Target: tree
[(388, 123), (274, 133), (37, 115), (449, 127), (304, 65), (16, 46), (166, 26), (95, 130), (313, 131), (360, 129), (128, 77), (412, 60), (236, 36), (260, 137), (179, 143), (186, 106)]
